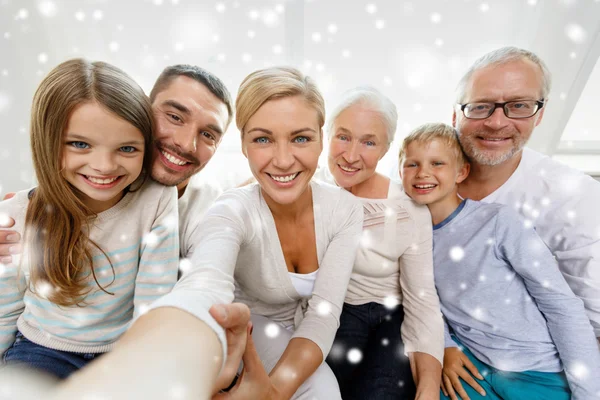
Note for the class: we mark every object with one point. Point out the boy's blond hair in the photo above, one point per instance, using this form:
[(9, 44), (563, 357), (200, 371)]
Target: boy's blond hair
[(436, 130)]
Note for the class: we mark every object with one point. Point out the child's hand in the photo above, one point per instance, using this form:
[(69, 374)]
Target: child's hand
[(457, 364)]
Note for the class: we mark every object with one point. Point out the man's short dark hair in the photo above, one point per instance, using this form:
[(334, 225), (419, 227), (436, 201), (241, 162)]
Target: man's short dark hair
[(208, 79)]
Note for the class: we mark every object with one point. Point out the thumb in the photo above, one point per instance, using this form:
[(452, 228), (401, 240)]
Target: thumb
[(250, 357)]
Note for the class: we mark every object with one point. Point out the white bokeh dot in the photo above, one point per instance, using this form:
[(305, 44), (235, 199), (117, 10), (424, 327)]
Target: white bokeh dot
[(436, 18), (98, 15), (251, 34), (385, 341), (456, 253), (220, 7), (346, 53), (23, 13), (354, 356), (277, 49), (47, 8), (324, 308), (371, 8), (484, 7), (316, 37), (391, 302), (42, 58), (80, 16), (575, 32), (113, 46), (246, 58), (332, 28), (272, 330), (380, 24)]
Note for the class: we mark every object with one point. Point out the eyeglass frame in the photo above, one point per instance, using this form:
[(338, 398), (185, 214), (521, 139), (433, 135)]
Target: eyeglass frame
[(540, 104)]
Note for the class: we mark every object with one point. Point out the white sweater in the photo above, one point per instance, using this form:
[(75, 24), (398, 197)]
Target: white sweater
[(238, 239), (139, 236), (394, 263), (562, 204)]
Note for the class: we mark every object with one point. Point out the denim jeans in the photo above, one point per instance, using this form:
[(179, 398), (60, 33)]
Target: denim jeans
[(383, 372), (61, 364)]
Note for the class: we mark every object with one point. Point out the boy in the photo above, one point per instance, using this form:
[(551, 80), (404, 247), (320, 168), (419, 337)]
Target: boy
[(502, 295)]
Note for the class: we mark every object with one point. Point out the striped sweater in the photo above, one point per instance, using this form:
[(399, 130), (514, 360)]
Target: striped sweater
[(140, 237)]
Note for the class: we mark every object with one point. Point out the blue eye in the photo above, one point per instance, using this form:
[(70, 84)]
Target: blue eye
[(127, 149), (79, 145), (437, 163), (343, 137), (301, 139), (261, 140), (370, 143)]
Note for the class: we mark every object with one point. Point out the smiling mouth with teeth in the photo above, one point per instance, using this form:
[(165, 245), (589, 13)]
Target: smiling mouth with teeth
[(100, 181), (173, 159), (428, 186), (348, 169), (284, 178)]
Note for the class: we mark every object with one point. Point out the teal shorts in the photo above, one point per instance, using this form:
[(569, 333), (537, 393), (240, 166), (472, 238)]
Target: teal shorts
[(503, 385)]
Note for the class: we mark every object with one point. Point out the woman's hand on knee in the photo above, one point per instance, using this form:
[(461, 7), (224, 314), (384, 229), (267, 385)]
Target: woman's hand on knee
[(456, 366)]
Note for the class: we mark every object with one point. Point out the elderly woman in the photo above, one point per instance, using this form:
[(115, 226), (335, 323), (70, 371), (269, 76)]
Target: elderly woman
[(288, 241), (393, 266)]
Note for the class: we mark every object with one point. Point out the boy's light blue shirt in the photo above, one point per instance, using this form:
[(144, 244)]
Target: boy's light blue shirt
[(503, 296)]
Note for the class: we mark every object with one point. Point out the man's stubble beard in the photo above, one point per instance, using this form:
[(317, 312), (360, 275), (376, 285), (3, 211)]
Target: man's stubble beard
[(490, 158)]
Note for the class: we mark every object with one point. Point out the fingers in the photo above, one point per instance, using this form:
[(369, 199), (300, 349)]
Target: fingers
[(231, 316), (443, 387), (449, 388), (9, 195), (469, 379), (458, 387), (471, 367), (9, 243)]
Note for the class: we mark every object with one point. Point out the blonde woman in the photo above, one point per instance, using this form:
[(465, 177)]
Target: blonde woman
[(391, 315), (284, 246)]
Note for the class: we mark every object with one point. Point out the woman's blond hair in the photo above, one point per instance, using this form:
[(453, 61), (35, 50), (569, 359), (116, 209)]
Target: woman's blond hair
[(275, 83), (57, 222)]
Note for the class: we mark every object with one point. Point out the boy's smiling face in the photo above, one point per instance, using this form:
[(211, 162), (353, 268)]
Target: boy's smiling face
[(431, 172)]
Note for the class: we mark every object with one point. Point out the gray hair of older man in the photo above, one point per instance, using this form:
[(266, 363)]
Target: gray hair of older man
[(502, 56), (371, 99)]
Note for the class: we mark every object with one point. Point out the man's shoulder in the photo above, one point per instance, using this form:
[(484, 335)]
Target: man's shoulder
[(545, 168)]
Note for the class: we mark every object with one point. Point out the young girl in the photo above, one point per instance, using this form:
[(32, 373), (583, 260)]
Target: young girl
[(100, 241)]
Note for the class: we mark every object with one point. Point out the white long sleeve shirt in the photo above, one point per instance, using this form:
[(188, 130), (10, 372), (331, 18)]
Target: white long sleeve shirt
[(562, 204)]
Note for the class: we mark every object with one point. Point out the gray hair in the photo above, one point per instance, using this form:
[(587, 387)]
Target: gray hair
[(373, 99), (502, 56)]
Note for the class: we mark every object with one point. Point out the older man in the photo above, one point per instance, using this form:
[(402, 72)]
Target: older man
[(192, 110), (500, 100)]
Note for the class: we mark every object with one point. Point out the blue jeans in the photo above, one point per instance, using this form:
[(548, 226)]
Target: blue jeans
[(503, 385), (60, 364), (384, 372)]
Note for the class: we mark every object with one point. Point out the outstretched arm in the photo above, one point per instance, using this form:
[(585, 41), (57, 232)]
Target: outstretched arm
[(165, 354)]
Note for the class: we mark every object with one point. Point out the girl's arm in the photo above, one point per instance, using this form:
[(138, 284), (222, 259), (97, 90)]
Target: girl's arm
[(159, 254), (567, 322), (314, 336)]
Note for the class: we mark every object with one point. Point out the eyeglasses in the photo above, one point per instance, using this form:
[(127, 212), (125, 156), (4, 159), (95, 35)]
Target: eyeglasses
[(512, 109)]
